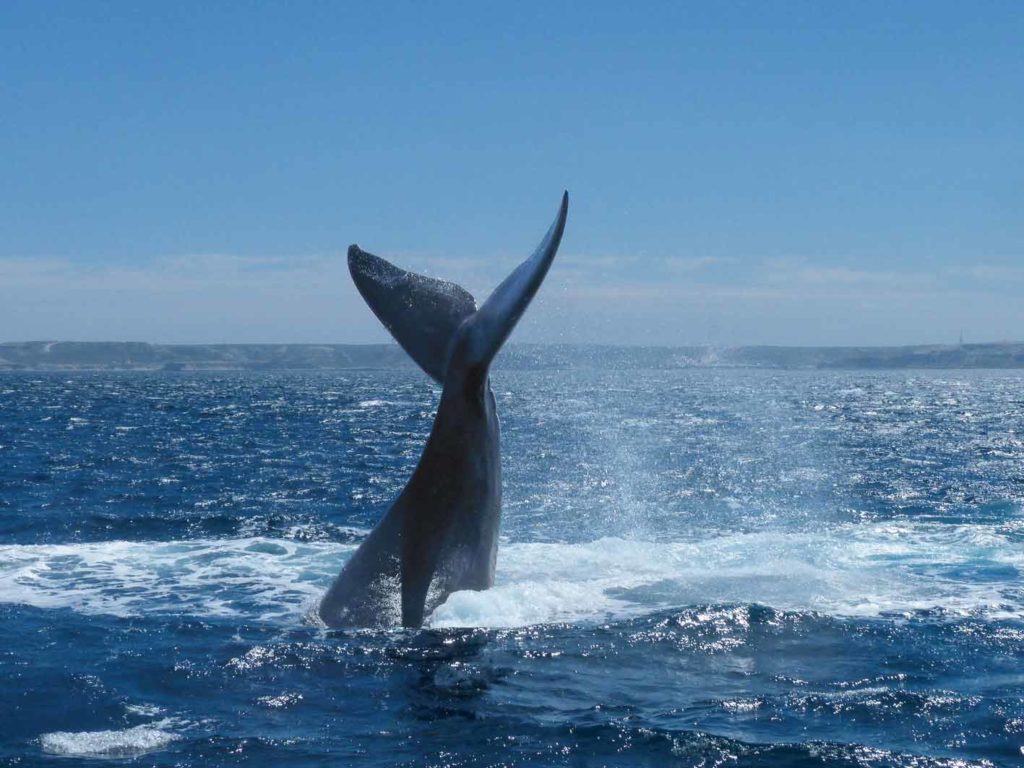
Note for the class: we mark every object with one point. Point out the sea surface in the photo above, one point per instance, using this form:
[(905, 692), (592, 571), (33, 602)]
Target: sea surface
[(697, 568)]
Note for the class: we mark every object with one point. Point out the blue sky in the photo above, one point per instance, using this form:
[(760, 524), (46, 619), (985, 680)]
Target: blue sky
[(760, 173)]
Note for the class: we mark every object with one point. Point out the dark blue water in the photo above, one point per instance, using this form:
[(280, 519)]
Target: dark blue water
[(698, 568)]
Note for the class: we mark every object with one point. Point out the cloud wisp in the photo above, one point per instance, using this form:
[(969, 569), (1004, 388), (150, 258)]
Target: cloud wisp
[(684, 300)]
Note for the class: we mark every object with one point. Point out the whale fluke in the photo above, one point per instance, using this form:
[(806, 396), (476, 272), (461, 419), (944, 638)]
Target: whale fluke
[(494, 321), (441, 534), (422, 313)]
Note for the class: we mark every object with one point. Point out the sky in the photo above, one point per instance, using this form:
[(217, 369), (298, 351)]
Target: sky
[(787, 173)]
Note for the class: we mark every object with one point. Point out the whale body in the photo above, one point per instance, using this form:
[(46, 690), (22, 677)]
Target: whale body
[(441, 534)]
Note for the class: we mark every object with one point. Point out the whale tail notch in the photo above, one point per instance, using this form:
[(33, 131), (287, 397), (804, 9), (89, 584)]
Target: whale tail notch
[(424, 314)]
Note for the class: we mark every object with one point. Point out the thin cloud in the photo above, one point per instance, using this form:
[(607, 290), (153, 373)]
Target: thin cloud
[(990, 273), (694, 264), (217, 297)]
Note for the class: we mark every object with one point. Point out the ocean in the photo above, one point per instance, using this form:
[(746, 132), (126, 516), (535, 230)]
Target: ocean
[(697, 567)]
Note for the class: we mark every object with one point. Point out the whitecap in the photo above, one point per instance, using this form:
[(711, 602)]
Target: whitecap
[(129, 742)]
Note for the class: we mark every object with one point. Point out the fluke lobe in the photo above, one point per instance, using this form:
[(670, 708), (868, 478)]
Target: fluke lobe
[(441, 533)]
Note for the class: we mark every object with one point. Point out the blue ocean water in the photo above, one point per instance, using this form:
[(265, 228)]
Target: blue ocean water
[(697, 568)]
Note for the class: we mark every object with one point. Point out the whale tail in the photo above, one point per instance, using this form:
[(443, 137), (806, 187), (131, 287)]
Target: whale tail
[(427, 315)]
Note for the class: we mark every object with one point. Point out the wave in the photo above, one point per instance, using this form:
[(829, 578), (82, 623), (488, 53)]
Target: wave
[(858, 570)]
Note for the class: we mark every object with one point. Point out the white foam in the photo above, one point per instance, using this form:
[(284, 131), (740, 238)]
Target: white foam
[(523, 603), (280, 702), (254, 577), (130, 742), (849, 570), (146, 710), (852, 570)]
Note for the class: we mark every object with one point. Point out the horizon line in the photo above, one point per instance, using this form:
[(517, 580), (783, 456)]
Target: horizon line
[(954, 345)]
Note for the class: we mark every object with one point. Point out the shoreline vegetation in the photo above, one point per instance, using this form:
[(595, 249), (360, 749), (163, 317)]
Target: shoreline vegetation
[(142, 356)]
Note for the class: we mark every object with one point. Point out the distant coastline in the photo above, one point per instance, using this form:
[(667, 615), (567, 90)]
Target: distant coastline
[(91, 356)]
